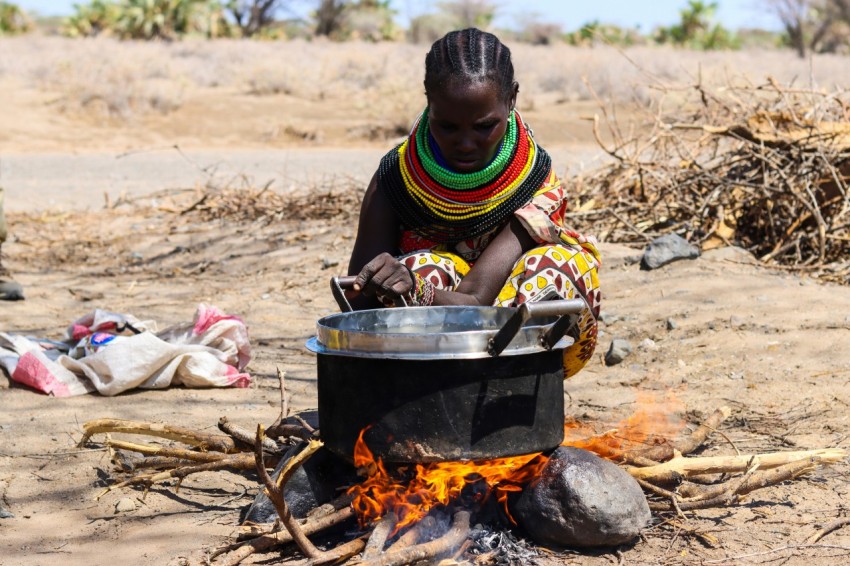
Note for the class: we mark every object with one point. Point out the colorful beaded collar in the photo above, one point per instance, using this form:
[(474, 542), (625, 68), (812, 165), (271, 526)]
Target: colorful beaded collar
[(446, 206)]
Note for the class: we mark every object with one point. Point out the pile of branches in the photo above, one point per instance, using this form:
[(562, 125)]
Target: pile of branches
[(338, 201), (765, 167)]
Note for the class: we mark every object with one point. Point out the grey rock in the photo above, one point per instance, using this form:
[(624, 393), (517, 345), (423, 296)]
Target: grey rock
[(666, 249), (618, 351), (582, 501), (608, 318), (648, 344), (736, 321), (672, 324), (125, 505), (5, 513)]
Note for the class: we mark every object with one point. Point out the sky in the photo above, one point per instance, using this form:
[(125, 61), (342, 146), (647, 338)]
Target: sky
[(571, 14)]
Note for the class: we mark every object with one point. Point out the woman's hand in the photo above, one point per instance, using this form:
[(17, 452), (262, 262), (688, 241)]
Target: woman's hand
[(384, 278)]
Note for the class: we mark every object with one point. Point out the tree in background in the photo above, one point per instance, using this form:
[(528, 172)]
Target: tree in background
[(362, 19), (253, 16), (696, 28), (328, 16), (814, 25), (148, 19), (458, 14), (13, 20), (92, 19), (595, 32)]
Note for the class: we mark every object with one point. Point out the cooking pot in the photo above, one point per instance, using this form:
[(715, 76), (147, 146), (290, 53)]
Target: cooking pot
[(449, 383)]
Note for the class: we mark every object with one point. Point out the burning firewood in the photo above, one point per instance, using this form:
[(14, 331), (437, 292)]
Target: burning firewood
[(390, 537)]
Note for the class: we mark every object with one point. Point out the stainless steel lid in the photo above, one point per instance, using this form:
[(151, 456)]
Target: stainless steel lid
[(461, 332)]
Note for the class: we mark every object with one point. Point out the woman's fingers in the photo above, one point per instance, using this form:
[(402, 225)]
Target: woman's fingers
[(384, 277)]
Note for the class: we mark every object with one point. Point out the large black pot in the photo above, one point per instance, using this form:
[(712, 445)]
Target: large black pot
[(444, 383)]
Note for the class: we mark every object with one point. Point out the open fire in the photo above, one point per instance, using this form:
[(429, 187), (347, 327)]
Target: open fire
[(410, 492)]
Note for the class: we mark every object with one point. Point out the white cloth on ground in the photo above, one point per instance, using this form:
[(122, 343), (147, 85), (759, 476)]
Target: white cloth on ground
[(211, 351)]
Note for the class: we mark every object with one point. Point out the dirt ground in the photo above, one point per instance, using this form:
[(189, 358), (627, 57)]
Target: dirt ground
[(770, 344)]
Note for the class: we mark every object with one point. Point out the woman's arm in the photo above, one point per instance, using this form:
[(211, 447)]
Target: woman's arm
[(380, 274), (482, 284)]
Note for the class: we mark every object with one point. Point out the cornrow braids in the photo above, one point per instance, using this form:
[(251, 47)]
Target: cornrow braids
[(473, 56)]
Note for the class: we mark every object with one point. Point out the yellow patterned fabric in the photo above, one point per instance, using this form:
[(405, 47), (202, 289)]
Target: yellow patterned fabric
[(547, 272)]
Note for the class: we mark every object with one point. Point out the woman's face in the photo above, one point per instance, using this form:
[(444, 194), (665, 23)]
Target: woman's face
[(468, 122)]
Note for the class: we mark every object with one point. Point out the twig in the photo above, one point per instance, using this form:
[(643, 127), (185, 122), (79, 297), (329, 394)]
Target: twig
[(262, 543), (828, 528), (428, 550), (215, 442), (687, 467), (275, 492), (243, 436), (233, 462), (413, 535), (379, 536)]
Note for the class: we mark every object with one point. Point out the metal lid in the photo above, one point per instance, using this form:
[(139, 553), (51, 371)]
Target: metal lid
[(461, 332)]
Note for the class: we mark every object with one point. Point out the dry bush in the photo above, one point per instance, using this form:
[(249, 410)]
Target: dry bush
[(132, 78)]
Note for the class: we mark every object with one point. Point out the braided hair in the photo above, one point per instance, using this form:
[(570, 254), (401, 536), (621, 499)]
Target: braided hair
[(472, 55)]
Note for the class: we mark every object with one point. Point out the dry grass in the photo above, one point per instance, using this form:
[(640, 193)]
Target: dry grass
[(125, 79)]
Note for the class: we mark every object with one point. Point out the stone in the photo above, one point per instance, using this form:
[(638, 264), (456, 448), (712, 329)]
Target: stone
[(666, 249), (5, 513), (672, 324), (313, 484), (125, 505), (648, 344), (606, 317), (618, 351), (582, 501)]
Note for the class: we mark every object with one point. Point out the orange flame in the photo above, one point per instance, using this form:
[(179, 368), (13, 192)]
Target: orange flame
[(434, 484), (654, 422), (423, 487)]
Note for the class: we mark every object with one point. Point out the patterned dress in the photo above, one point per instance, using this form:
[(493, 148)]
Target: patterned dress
[(564, 266)]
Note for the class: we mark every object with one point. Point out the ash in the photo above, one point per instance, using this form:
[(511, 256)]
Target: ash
[(501, 547)]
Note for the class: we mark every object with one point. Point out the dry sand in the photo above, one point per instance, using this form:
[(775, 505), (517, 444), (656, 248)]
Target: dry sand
[(770, 344)]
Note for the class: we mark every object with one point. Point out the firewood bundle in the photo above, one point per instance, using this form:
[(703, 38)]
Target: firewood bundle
[(763, 167)]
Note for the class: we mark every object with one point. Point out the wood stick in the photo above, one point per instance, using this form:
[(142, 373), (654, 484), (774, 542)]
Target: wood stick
[(262, 543), (413, 535), (275, 493), (151, 450), (428, 550), (339, 554), (828, 528), (686, 467), (730, 493), (380, 533), (242, 435), (690, 443), (215, 442), (234, 462)]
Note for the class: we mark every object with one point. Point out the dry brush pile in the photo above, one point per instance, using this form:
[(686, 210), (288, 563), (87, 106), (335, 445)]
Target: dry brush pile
[(764, 167)]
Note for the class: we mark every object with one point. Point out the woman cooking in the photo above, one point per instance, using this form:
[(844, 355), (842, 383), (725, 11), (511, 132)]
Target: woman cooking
[(467, 210)]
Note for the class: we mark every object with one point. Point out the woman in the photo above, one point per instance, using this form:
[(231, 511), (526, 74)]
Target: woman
[(467, 210)]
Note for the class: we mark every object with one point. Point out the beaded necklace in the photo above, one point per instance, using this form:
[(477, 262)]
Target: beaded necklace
[(446, 206)]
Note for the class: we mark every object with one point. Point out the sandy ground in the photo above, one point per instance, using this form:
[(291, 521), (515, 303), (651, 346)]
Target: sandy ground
[(769, 344)]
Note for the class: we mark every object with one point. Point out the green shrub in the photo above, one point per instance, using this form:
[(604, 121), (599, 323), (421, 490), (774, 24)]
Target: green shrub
[(13, 20)]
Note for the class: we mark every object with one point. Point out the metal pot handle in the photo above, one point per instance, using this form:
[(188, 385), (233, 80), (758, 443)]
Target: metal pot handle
[(567, 309), (338, 283)]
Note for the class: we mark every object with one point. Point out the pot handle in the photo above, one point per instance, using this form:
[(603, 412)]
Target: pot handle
[(338, 283), (567, 309)]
